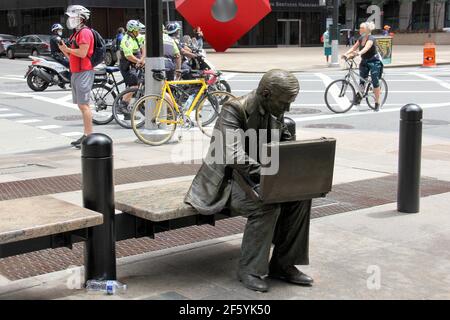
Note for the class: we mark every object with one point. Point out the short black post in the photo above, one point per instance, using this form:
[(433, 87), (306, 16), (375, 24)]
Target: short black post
[(291, 125), (98, 195), (410, 154)]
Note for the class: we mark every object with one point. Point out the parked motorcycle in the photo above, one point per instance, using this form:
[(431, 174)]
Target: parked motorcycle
[(46, 72)]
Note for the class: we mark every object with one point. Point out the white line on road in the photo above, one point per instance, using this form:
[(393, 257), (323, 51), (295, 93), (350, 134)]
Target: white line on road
[(27, 121), (72, 134), (13, 79), (10, 115), (229, 76), (66, 98), (44, 99), (343, 101), (50, 127), (13, 75), (4, 109), (356, 114), (442, 83)]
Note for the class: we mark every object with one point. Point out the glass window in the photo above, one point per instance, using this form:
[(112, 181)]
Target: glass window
[(23, 40), (447, 15)]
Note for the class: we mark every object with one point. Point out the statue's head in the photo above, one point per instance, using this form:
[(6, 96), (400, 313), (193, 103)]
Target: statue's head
[(277, 90)]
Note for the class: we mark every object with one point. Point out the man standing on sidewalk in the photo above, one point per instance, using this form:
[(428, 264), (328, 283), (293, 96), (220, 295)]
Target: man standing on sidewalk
[(326, 45), (79, 54)]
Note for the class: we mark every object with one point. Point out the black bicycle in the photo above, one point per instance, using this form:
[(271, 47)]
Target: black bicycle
[(105, 90), (124, 102)]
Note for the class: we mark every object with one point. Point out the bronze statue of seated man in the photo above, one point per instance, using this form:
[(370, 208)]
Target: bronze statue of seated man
[(216, 187)]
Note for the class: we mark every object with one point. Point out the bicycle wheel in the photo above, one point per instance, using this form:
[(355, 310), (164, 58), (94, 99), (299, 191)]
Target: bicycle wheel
[(370, 99), (340, 96), (102, 100), (122, 109), (209, 109), (223, 85), (159, 117)]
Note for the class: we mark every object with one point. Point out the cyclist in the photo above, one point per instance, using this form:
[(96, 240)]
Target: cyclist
[(173, 30), (56, 53), (132, 52), (366, 47), (172, 57)]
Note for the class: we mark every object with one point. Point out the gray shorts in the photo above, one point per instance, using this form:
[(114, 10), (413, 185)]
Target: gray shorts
[(82, 83)]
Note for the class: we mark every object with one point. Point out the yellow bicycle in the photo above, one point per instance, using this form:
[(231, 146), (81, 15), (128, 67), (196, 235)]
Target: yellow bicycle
[(155, 118)]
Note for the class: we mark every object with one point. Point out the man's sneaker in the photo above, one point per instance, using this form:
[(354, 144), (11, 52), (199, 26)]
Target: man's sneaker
[(123, 109), (77, 144), (377, 107)]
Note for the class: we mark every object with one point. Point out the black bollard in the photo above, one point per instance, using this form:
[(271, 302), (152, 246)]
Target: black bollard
[(98, 195), (291, 126), (410, 154)]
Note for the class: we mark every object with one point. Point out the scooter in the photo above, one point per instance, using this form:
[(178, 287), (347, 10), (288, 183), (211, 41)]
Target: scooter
[(46, 72)]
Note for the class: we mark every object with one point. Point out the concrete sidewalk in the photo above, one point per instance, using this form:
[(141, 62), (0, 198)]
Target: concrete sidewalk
[(376, 253), (400, 256), (307, 59)]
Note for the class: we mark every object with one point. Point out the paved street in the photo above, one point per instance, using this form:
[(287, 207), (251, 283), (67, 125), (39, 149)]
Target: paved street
[(355, 233), (48, 120)]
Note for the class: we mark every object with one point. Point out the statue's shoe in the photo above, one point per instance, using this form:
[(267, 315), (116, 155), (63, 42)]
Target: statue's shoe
[(253, 282), (290, 274)]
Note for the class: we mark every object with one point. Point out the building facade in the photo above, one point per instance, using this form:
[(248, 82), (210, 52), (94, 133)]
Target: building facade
[(404, 15), (292, 22)]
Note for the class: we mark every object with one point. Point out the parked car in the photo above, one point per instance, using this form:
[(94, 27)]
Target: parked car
[(31, 45), (5, 41), (111, 53)]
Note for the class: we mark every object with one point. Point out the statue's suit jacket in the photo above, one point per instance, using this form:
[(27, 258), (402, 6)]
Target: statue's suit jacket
[(211, 188)]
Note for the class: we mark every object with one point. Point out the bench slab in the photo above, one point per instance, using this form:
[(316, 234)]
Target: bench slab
[(35, 217), (158, 203)]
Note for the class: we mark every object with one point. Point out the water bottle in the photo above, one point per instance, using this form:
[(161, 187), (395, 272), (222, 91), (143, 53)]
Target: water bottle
[(110, 287), (189, 101)]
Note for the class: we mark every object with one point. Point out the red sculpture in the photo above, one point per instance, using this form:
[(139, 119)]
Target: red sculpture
[(223, 22)]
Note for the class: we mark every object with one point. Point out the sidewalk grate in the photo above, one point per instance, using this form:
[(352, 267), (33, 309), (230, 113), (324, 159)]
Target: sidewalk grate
[(345, 197), (69, 183)]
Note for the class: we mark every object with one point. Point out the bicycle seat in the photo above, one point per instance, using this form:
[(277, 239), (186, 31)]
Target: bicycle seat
[(160, 70), (100, 72), (112, 69)]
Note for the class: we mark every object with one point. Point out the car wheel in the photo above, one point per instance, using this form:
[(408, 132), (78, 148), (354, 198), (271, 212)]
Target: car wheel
[(35, 53), (10, 54), (109, 59)]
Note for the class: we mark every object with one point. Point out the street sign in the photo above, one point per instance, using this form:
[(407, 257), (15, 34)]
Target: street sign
[(223, 22)]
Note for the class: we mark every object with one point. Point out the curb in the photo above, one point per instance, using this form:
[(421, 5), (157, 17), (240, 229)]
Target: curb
[(304, 71)]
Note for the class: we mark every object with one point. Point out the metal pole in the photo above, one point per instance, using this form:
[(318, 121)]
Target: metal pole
[(335, 35), (410, 153), (154, 60), (98, 195), (168, 10)]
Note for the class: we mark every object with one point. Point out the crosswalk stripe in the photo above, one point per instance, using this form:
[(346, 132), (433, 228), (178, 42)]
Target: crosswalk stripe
[(442, 83), (50, 127), (10, 115), (28, 121), (3, 109), (72, 134)]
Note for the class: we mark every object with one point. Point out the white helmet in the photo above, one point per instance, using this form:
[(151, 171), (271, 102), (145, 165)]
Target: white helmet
[(135, 25), (77, 11)]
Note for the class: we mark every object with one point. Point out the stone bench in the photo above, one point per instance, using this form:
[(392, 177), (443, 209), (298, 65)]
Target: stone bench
[(157, 203), (23, 222)]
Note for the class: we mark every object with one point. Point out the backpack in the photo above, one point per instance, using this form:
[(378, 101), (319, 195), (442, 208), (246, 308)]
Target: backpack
[(99, 54), (99, 49)]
